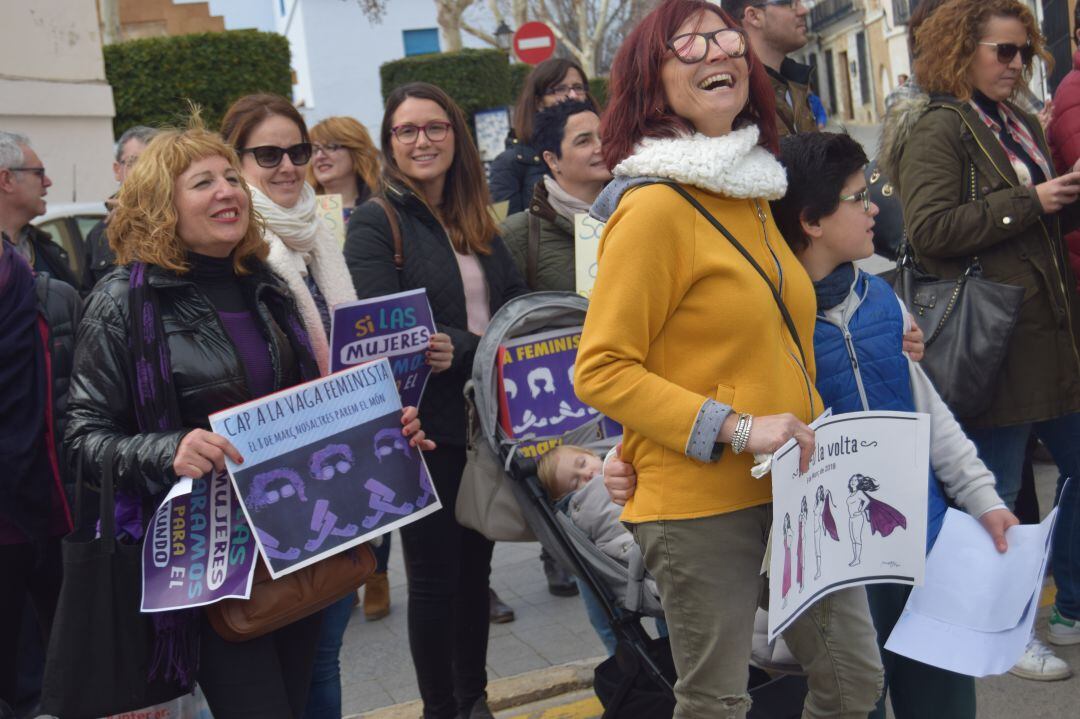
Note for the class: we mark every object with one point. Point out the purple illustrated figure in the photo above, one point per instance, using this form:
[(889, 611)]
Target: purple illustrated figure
[(823, 523), (863, 508), (326, 463), (390, 441), (382, 501), (267, 492), (323, 469), (786, 586), (799, 553)]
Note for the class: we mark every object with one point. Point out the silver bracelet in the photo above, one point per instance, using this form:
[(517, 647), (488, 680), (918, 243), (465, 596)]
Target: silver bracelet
[(741, 435)]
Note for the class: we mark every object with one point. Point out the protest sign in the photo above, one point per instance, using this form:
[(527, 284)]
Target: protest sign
[(587, 233), (858, 516), (326, 466), (537, 402), (198, 548), (396, 326), (330, 212)]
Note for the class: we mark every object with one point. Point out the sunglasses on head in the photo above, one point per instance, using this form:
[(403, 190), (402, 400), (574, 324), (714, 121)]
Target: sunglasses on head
[(270, 155), (1006, 51)]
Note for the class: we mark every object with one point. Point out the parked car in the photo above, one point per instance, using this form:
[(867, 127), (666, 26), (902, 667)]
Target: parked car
[(69, 224)]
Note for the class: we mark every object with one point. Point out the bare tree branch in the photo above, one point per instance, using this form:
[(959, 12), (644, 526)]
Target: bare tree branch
[(373, 9)]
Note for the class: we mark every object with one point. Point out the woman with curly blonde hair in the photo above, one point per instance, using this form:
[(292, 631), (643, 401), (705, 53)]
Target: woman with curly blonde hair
[(192, 322), (979, 190), (344, 162)]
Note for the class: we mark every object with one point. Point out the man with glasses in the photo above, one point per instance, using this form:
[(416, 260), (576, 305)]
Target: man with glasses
[(23, 186), (777, 28), (99, 256)]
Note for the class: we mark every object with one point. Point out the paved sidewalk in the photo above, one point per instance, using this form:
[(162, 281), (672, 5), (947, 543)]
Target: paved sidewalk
[(376, 667), (551, 631)]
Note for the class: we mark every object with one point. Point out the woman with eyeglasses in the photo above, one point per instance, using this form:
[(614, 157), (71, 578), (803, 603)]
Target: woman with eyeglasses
[(515, 172), (272, 140), (977, 181), (344, 162), (433, 184), (686, 344)]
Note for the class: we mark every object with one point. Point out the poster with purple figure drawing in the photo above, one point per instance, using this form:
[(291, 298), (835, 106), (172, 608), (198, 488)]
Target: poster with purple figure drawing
[(857, 516), (397, 327), (326, 466)]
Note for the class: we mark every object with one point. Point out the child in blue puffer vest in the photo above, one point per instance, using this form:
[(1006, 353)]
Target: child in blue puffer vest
[(827, 219)]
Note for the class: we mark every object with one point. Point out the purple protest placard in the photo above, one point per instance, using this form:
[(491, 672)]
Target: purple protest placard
[(198, 548), (326, 466), (397, 327), (537, 399)]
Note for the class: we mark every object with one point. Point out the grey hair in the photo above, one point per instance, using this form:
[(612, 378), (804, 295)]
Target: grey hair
[(142, 133), (11, 149)]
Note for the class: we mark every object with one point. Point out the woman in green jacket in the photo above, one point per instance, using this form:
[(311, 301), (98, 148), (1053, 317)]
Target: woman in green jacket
[(976, 181)]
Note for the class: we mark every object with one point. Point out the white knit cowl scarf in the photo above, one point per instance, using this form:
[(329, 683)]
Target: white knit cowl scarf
[(301, 244)]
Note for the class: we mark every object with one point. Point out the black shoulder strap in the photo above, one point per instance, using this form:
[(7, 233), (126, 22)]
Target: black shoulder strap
[(749, 258), (532, 252)]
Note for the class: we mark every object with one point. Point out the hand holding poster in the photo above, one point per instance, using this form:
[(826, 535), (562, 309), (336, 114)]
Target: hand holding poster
[(858, 516), (326, 466), (198, 548), (396, 326)]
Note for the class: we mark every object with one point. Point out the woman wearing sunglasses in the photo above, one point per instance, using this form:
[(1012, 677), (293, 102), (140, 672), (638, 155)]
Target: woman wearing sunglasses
[(685, 345), (976, 179), (272, 140), (434, 186)]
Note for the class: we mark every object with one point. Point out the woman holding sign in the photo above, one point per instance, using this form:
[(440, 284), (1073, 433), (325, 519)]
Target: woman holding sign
[(434, 185), (272, 140), (699, 341), (344, 162), (193, 297)]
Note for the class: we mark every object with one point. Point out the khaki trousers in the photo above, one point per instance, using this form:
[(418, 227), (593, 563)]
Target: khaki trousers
[(708, 573)]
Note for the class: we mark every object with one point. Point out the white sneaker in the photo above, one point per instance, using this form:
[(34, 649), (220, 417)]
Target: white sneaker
[(1063, 631), (1039, 664)]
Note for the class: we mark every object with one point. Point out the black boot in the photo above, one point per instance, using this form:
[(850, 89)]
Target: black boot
[(560, 583), (479, 710), (499, 612)]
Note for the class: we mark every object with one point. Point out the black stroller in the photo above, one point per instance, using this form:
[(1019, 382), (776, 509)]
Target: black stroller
[(638, 680)]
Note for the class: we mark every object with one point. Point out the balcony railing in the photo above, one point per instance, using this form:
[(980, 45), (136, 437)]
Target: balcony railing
[(829, 11), (902, 9)]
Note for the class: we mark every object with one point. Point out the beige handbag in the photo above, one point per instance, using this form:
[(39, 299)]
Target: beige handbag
[(486, 501)]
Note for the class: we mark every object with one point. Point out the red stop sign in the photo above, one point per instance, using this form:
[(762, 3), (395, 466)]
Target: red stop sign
[(534, 42)]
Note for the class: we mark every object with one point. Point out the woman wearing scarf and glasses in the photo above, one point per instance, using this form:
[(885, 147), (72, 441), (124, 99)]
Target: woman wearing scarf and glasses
[(700, 390), (976, 180), (272, 140)]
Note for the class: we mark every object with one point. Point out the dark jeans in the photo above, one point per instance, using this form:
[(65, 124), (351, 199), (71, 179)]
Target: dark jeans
[(1002, 449), (382, 553), (447, 567), (25, 572), (324, 696), (263, 678), (916, 690)]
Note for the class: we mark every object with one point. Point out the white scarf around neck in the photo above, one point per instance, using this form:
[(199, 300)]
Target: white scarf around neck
[(562, 201), (297, 226)]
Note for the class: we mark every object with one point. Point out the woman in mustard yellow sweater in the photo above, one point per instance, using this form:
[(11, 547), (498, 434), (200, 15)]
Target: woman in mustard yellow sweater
[(686, 345)]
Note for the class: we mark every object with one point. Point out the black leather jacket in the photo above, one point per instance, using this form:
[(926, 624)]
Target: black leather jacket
[(207, 373), (429, 263), (99, 257)]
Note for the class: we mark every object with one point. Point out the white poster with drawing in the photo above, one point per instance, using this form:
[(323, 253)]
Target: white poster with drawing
[(587, 233), (857, 516)]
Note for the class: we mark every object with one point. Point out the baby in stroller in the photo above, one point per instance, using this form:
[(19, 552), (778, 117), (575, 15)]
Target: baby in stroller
[(567, 474)]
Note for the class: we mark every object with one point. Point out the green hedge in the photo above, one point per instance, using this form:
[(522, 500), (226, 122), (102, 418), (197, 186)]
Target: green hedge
[(152, 79), (476, 79)]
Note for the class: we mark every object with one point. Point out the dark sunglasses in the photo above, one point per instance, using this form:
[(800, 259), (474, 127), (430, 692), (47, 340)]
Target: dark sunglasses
[(270, 155), (694, 46), (1006, 51)]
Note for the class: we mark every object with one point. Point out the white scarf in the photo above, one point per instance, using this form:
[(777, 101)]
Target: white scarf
[(301, 243), (562, 201)]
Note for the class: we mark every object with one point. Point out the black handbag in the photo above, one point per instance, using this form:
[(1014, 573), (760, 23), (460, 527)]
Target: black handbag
[(100, 646), (967, 323), (889, 223)]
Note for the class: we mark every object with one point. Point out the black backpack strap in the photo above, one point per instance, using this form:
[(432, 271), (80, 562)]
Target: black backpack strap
[(749, 258), (395, 230), (532, 251)]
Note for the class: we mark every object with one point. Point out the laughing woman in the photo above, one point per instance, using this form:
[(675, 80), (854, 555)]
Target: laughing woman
[(692, 106)]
